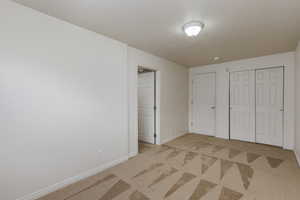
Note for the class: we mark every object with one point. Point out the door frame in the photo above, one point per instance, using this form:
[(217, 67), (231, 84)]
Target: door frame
[(191, 103), (157, 84)]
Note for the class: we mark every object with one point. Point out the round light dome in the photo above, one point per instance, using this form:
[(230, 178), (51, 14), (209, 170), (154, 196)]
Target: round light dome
[(193, 29)]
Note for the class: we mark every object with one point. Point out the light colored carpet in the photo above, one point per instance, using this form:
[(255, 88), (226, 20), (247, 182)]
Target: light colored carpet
[(195, 167)]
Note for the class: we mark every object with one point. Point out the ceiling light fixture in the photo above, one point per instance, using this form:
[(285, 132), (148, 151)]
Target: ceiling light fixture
[(192, 29)]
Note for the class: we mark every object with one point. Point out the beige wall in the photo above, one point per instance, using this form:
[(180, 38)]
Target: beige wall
[(297, 139), (63, 102), (173, 96)]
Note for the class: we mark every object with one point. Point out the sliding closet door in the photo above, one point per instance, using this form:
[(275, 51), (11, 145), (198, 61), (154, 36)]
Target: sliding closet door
[(242, 106), (269, 106), (203, 104)]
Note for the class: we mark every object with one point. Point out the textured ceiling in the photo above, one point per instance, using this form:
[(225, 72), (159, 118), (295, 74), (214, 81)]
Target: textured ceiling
[(234, 29)]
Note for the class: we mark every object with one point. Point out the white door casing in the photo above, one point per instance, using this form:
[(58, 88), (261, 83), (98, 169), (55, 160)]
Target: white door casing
[(203, 106), (242, 105), (269, 106), (146, 103)]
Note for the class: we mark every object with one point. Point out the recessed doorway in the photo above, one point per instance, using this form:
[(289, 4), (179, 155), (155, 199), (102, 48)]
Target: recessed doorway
[(148, 115)]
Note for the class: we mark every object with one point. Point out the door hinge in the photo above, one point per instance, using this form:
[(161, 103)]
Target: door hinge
[(155, 107), (155, 135)]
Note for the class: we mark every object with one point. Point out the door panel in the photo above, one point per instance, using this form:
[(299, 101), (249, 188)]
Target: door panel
[(146, 103), (242, 106), (203, 104), (269, 106)]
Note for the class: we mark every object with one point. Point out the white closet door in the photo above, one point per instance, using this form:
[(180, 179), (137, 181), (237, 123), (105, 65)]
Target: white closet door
[(203, 104), (242, 106), (269, 106), (146, 95)]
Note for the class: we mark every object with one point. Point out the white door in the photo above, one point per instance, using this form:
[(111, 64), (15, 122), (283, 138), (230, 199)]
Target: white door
[(146, 103), (242, 109), (269, 106), (203, 104)]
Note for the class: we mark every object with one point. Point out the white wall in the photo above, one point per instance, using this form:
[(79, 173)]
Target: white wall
[(297, 76), (63, 97), (222, 90), (173, 96)]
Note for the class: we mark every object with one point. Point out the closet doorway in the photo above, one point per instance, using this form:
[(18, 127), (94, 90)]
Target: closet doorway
[(242, 106), (203, 105), (269, 106), (256, 105), (147, 105)]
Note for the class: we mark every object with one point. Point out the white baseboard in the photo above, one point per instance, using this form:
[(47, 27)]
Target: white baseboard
[(297, 157), (132, 154), (71, 180)]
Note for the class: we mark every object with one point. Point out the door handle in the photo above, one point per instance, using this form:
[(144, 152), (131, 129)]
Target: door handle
[(281, 109), (213, 107)]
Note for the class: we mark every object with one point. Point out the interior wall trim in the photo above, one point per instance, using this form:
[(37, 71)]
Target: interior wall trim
[(297, 157), (71, 180)]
